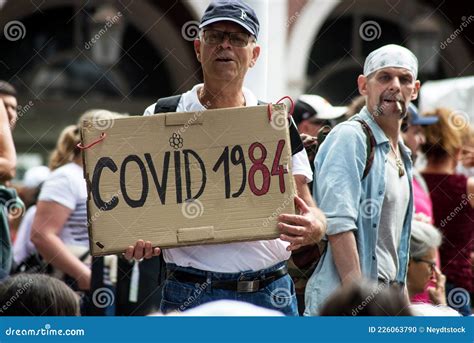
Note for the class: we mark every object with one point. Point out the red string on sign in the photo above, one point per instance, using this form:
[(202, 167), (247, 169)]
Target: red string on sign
[(269, 112), (290, 113), (90, 145), (292, 107)]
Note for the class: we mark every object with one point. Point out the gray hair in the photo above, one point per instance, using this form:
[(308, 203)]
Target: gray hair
[(424, 236)]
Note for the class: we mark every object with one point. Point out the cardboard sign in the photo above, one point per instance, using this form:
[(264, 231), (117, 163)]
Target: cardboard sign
[(180, 179)]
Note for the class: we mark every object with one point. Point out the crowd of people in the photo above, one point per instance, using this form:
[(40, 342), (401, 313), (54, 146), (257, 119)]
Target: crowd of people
[(385, 206)]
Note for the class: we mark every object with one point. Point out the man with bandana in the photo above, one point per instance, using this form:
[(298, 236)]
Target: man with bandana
[(368, 216)]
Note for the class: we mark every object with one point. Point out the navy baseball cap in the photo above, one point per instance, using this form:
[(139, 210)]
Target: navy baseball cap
[(231, 10), (416, 119)]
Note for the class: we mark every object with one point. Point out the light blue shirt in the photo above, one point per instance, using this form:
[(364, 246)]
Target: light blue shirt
[(354, 205)]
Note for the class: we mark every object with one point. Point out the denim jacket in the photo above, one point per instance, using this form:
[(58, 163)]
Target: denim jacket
[(353, 204)]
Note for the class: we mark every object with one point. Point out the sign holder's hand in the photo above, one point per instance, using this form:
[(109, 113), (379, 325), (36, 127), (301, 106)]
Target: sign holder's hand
[(141, 250), (300, 229)]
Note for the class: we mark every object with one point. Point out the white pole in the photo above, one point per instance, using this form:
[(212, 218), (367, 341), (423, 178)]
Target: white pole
[(267, 79)]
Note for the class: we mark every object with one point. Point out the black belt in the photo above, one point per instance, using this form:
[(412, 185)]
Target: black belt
[(241, 286)]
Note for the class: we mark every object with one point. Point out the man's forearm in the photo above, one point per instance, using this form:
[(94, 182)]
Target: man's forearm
[(346, 256)]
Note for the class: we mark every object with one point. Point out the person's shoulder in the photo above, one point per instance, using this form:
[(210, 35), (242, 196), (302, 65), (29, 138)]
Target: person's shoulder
[(459, 179), (346, 130), (68, 170), (70, 167), (150, 110), (189, 97)]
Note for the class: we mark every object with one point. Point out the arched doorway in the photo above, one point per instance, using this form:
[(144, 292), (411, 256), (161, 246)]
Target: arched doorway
[(330, 40)]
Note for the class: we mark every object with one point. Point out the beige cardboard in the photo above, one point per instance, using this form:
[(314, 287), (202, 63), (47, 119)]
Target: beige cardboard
[(171, 220)]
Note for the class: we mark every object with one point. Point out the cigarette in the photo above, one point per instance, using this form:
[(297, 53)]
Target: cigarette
[(399, 106)]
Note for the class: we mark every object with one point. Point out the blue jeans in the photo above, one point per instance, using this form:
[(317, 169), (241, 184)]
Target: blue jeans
[(180, 296)]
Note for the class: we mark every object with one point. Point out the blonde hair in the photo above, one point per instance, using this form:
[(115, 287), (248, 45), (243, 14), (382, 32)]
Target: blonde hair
[(446, 137), (66, 147)]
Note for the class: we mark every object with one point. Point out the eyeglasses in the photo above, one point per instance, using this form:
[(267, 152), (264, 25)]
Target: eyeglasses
[(431, 263), (237, 39)]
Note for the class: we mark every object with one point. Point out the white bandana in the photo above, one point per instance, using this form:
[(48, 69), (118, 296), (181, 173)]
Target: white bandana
[(391, 56)]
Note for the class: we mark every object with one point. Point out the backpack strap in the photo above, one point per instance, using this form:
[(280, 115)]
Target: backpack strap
[(370, 146), (168, 104)]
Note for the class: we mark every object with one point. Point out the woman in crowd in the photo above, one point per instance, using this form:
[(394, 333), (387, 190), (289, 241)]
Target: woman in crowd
[(425, 239), (453, 201), (59, 229)]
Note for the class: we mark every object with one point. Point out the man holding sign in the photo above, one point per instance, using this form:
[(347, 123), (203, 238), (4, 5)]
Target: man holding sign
[(254, 272)]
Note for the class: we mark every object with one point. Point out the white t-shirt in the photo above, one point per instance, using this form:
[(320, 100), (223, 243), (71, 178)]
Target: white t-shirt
[(394, 209), (66, 186), (23, 247), (232, 257)]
